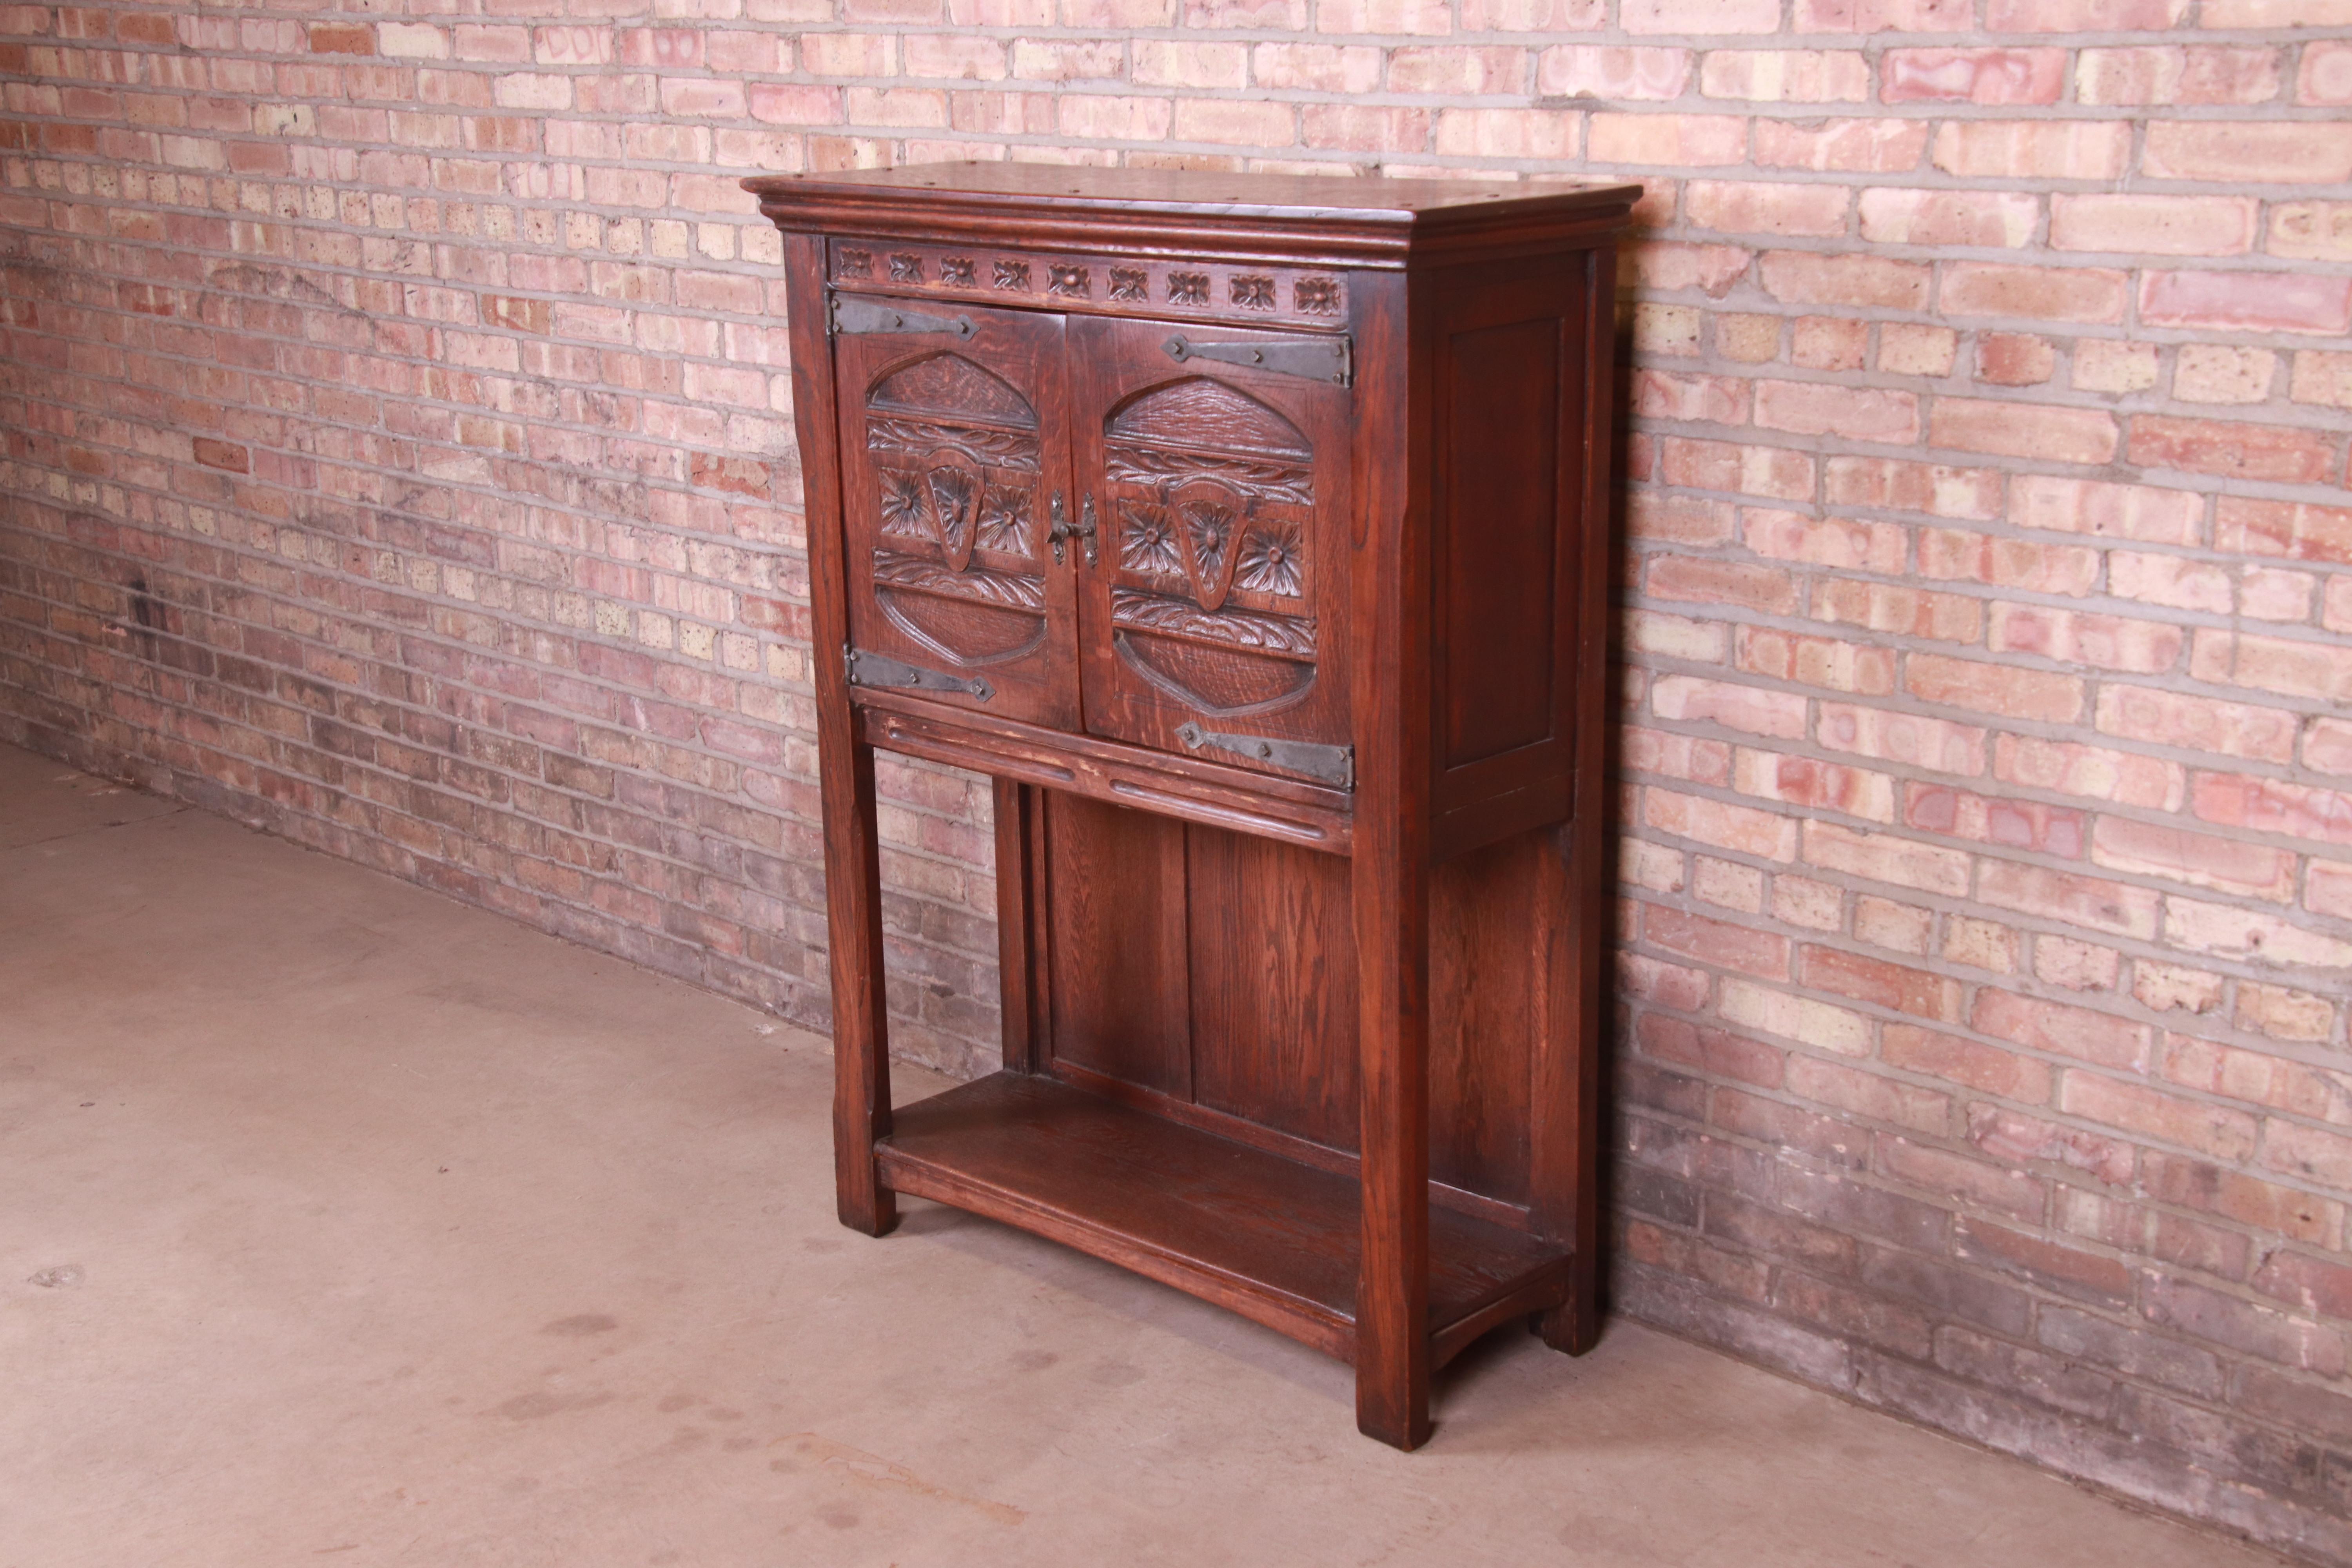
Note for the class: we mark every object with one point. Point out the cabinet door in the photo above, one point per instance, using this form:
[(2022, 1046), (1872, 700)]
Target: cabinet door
[(1216, 613), (954, 455)]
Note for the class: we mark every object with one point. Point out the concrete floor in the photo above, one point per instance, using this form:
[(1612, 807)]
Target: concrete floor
[(346, 1223)]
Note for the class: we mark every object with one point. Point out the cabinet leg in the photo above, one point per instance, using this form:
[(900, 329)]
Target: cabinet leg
[(1574, 1326), (1393, 1349), (861, 1035)]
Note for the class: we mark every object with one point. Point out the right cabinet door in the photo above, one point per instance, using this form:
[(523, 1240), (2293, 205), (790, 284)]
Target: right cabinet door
[(1213, 615)]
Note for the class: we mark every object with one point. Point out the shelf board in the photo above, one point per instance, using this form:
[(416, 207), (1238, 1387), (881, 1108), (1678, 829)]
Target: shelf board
[(1262, 1235)]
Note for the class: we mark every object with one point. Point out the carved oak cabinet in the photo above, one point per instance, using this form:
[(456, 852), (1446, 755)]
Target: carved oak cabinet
[(1250, 532)]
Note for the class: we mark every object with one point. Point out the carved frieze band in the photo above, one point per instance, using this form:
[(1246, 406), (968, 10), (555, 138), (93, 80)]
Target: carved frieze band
[(913, 437), (914, 574), (1135, 610), (1152, 467), (1118, 284)]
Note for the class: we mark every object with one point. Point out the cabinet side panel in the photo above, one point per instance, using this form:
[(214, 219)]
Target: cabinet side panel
[(1509, 384), (1484, 920), (1115, 930), (1274, 986), (1497, 536)]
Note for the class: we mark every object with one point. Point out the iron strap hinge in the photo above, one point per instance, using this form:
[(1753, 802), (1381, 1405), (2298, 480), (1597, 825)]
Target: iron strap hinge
[(1316, 359), (1331, 764), (853, 314), (875, 669)]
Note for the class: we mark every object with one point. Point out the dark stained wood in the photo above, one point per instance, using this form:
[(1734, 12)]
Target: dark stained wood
[(1018, 809), (1273, 1240), (1325, 1049), (1210, 792), (1570, 1089), (861, 1043), (1220, 598), (1118, 961), (1274, 986), (1509, 480), (1487, 926), (1178, 212), (952, 453), (1390, 872)]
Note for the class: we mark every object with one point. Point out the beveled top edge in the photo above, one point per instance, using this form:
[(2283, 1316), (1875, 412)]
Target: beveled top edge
[(1195, 193)]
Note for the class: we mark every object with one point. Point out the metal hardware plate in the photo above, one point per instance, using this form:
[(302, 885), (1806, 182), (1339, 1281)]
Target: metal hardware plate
[(1314, 359), (1332, 765), (852, 314), (875, 669)]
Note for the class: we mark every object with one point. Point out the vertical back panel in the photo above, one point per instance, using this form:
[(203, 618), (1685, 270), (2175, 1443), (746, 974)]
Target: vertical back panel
[(1274, 986), (1116, 898)]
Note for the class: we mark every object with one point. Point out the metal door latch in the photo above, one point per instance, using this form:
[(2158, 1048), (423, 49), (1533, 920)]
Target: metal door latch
[(875, 669), (852, 314), (1316, 359), (1332, 765)]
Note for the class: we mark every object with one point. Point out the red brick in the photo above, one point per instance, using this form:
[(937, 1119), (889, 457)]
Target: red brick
[(2239, 151), (2033, 148), (1805, 781), (2296, 531), (2015, 359), (1932, 743), (1803, 277), (2200, 723), (1937, 488), (1772, 472), (1765, 835), (1883, 858), (326, 40), (1966, 1062), (1787, 75), (2083, 15), (1721, 582), (2202, 859), (227, 455), (2247, 302), (1758, 953), (1874, 980), (2062, 1030), (2095, 771), (1752, 206), (2055, 434), (2212, 1131), (2060, 294), (1815, 408), (2194, 1184), (2152, 225), (2070, 636), (1938, 217), (1816, 661), (2274, 805), (1981, 76), (2203, 74), (1840, 146), (2326, 74), (1994, 688), (1667, 139), (2276, 452), (2068, 899), (1986, 819)]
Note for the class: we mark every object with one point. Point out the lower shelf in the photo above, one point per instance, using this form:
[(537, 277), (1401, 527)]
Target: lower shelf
[(1268, 1237)]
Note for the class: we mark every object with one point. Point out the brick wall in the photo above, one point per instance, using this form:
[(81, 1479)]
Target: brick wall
[(399, 457)]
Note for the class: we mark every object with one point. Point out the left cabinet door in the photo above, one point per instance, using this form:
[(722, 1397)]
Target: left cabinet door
[(955, 464)]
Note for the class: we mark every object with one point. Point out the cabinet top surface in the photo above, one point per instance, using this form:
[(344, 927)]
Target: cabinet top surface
[(1382, 213)]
